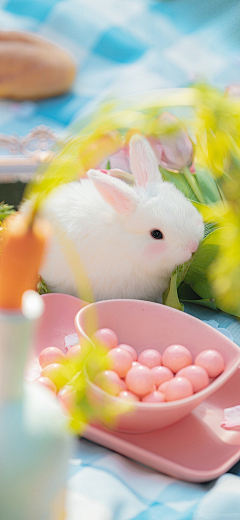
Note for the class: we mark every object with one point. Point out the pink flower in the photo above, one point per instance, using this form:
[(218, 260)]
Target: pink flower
[(119, 160), (174, 150)]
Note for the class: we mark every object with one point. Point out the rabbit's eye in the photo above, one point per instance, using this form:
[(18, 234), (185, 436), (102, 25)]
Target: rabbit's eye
[(157, 234)]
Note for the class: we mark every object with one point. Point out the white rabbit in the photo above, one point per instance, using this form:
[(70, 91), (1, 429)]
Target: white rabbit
[(129, 239)]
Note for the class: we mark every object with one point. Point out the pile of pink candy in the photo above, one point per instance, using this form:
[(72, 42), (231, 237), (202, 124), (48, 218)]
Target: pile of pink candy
[(152, 377), (57, 371), (149, 378)]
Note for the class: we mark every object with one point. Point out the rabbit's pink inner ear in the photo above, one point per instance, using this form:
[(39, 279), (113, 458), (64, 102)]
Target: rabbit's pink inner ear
[(143, 161), (119, 201), (115, 192)]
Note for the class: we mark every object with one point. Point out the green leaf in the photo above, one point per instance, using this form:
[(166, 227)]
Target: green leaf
[(196, 281), (42, 288), (170, 296), (180, 182), (5, 211), (197, 276), (185, 292), (211, 216), (204, 302), (208, 186), (187, 295), (191, 179), (193, 276)]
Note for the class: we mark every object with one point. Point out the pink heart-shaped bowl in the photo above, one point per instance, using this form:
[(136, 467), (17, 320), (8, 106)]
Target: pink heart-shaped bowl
[(145, 325)]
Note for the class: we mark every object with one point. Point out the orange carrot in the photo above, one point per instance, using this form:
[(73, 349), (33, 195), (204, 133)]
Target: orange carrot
[(22, 251)]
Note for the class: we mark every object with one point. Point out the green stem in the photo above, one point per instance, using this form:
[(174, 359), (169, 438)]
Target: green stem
[(194, 185)]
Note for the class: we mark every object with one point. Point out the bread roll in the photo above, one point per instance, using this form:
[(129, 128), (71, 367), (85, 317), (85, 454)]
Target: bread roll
[(33, 68)]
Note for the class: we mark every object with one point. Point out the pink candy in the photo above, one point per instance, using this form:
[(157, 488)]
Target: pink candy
[(129, 349), (178, 388), (154, 397), (176, 357), (150, 358), (162, 387), (67, 397), (140, 380), (128, 396), (212, 361), (51, 355), (161, 374), (74, 355), (57, 373), (106, 338), (48, 383), (120, 361), (110, 382), (196, 375)]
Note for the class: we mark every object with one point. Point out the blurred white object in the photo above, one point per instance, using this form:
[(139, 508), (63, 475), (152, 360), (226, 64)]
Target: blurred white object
[(20, 156), (34, 442)]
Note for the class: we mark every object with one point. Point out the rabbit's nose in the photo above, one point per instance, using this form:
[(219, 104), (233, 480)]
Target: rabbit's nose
[(193, 245)]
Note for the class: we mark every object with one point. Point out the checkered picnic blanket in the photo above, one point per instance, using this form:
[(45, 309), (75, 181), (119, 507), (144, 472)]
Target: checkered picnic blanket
[(125, 46), (128, 46)]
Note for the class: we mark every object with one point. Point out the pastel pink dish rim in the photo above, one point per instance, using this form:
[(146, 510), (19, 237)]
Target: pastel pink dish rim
[(214, 386)]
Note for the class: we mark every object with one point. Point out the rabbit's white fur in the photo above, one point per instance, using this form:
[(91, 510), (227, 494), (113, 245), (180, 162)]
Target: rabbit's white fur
[(109, 224)]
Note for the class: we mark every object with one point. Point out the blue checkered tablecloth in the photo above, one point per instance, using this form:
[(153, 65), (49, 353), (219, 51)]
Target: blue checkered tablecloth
[(123, 47)]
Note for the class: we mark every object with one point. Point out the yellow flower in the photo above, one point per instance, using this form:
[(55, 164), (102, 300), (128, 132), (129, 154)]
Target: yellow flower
[(217, 129), (225, 271)]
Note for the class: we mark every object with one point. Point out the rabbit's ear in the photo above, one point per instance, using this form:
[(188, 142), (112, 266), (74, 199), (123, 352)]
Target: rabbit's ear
[(143, 161), (114, 191)]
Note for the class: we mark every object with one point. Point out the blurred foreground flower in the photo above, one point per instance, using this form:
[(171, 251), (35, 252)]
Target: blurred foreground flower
[(217, 128), (225, 273)]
